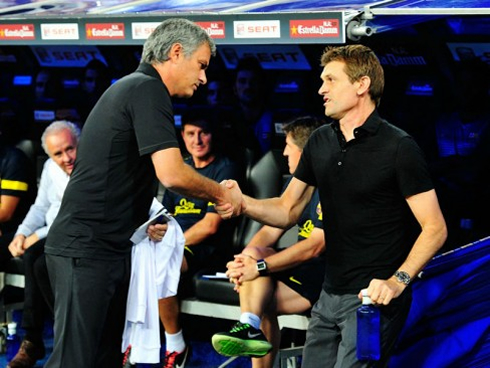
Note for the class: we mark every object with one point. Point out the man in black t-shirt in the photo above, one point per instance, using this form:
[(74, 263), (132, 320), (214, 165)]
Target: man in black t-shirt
[(127, 142), (381, 216)]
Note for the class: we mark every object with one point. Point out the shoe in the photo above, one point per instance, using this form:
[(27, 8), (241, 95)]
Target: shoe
[(27, 356), (242, 340), (176, 360), (126, 363)]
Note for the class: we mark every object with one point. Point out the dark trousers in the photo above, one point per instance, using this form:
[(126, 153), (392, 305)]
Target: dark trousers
[(89, 311), (38, 295)]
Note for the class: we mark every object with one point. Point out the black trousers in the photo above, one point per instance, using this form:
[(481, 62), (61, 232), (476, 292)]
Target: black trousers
[(89, 311), (38, 295)]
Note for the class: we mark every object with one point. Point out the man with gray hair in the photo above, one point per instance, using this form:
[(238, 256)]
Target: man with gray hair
[(128, 138), (59, 140)]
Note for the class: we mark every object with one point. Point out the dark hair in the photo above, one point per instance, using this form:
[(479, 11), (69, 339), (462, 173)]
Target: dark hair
[(201, 116), (359, 61), (250, 63), (300, 128)]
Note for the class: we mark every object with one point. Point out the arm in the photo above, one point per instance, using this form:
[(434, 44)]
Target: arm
[(267, 236), (8, 204), (175, 175), (297, 253), (36, 218), (283, 211), (426, 210), (203, 229)]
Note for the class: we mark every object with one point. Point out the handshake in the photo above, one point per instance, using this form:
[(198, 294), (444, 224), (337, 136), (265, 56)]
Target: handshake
[(232, 201)]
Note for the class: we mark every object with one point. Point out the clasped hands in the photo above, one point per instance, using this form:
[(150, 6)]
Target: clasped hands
[(232, 204), (242, 268)]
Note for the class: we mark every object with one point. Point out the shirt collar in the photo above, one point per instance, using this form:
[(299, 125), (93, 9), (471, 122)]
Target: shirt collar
[(370, 126), (150, 70)]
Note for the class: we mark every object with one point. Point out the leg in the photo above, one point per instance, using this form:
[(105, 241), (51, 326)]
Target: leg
[(84, 290), (169, 311), (322, 336), (34, 312), (256, 296), (41, 278), (287, 301), (35, 309)]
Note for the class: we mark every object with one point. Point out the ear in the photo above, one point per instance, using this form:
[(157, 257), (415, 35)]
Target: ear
[(364, 84), (176, 51)]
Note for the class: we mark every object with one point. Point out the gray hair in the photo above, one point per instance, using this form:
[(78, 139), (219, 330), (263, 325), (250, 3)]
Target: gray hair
[(58, 126), (172, 31)]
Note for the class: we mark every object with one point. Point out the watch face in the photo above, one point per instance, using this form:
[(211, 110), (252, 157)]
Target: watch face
[(261, 266), (403, 277)]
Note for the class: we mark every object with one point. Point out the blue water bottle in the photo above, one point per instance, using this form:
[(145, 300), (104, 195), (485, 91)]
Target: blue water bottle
[(13, 341), (368, 330)]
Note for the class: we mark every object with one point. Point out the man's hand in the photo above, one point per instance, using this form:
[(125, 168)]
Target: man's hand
[(30, 240), (243, 268), (156, 232), (233, 205), (16, 246), (382, 292)]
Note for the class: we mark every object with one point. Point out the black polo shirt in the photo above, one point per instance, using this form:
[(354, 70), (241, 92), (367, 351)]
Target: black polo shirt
[(113, 182), (363, 183)]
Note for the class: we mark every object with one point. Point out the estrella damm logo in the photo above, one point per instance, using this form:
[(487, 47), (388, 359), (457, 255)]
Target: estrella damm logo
[(186, 207), (319, 211)]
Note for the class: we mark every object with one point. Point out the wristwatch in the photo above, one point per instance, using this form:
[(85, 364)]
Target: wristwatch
[(262, 267), (403, 277)]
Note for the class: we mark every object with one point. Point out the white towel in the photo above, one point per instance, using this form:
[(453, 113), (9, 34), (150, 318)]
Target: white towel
[(155, 274)]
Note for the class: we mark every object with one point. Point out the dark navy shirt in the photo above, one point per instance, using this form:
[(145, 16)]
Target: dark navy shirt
[(187, 211)]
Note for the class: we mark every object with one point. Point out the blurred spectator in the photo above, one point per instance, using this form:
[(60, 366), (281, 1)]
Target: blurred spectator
[(95, 81), (219, 92), (254, 116), (47, 86), (208, 238)]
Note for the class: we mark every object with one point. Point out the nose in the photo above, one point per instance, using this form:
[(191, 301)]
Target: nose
[(199, 138), (67, 158), (321, 91), (202, 77)]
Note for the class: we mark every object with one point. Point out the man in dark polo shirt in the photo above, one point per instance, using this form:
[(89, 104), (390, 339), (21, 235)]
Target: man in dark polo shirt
[(128, 141), (381, 217)]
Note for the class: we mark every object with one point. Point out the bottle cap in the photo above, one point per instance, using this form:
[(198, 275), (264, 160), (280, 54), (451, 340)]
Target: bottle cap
[(12, 328), (365, 298)]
